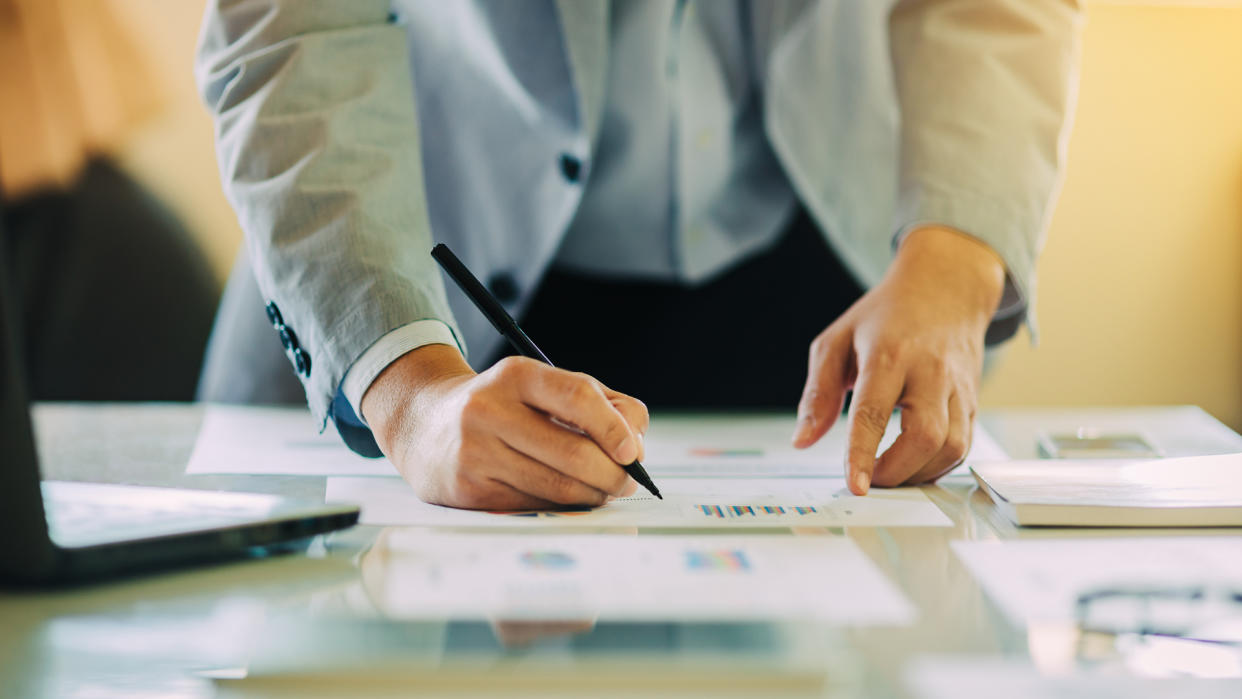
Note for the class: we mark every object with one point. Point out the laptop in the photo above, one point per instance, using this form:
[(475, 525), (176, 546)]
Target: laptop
[(60, 532)]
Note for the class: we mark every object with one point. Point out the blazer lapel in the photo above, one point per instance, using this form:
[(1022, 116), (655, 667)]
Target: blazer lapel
[(584, 24)]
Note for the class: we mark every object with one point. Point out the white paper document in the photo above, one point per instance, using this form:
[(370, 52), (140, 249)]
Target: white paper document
[(1187, 491), (758, 445), (284, 441), (275, 441), (692, 503), (1041, 580), (576, 577)]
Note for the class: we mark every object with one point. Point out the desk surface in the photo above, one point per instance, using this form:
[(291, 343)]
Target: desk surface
[(168, 634)]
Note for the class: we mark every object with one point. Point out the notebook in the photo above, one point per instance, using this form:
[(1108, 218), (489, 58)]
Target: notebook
[(1194, 491)]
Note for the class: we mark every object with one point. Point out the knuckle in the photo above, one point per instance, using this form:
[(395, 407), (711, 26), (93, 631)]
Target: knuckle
[(886, 479), (935, 365), (580, 452), (614, 431), (956, 448), (511, 368), (478, 408), (925, 441), (567, 491), (886, 355), (821, 344), (577, 392), (871, 417), (641, 417)]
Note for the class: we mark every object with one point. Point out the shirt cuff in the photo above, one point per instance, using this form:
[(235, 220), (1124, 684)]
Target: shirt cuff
[(388, 349)]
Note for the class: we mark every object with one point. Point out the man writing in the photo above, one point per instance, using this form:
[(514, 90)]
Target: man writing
[(677, 196)]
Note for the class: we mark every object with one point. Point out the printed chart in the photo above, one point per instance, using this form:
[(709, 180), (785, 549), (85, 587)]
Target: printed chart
[(692, 503)]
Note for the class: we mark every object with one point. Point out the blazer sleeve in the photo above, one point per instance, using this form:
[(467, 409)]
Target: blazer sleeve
[(317, 139), (986, 91)]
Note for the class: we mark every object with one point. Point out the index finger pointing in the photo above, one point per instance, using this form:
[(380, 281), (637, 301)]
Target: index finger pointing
[(875, 396)]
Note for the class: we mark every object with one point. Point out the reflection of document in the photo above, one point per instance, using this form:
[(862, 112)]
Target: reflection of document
[(567, 577), (742, 446), (1040, 580), (281, 441), (694, 503), (959, 677)]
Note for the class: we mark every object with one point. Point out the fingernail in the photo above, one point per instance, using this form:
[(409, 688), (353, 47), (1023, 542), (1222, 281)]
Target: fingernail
[(627, 452), (862, 481)]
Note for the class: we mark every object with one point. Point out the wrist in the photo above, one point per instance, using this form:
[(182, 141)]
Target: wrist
[(958, 264), (414, 379)]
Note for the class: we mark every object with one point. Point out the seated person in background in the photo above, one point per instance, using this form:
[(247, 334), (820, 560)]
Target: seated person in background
[(678, 197), (116, 300)]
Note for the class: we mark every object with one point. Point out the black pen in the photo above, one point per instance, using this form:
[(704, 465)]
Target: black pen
[(508, 327)]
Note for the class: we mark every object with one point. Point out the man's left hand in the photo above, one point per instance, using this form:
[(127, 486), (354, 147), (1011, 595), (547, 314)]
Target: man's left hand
[(915, 341)]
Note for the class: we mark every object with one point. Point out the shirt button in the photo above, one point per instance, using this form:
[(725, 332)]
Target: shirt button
[(503, 287), (273, 315), (571, 167)]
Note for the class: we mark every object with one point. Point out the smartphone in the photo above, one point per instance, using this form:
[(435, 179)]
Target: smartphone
[(1089, 444)]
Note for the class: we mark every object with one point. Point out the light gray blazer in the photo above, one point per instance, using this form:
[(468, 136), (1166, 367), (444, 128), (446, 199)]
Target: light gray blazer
[(352, 134)]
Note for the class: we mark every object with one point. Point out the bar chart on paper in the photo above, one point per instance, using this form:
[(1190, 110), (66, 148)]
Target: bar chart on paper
[(691, 503)]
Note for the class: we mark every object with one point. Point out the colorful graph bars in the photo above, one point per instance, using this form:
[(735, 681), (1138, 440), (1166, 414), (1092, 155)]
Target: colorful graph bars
[(756, 511)]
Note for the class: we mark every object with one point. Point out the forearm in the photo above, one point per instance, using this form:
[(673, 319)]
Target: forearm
[(986, 93), (319, 154)]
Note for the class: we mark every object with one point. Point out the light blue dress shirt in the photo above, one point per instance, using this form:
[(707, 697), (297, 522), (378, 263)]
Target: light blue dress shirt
[(639, 216)]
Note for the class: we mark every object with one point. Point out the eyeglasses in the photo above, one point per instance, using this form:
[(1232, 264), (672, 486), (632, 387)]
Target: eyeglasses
[(1162, 631), (1206, 614)]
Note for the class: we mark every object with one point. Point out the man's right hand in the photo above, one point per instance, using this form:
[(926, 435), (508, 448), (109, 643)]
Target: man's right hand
[(489, 440)]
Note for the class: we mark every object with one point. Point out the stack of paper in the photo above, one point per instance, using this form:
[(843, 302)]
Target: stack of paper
[(1183, 492)]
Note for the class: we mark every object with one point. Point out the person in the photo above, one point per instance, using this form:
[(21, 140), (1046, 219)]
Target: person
[(677, 197), (115, 298)]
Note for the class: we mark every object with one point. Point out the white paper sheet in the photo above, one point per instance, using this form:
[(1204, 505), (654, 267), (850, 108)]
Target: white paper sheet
[(1040, 580), (284, 441), (275, 441), (748, 446), (576, 577), (694, 503)]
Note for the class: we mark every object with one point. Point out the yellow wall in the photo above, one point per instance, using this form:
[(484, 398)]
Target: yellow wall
[(1141, 280), (173, 154)]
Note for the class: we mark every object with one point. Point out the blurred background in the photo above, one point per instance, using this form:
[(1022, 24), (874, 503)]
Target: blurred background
[(1140, 284)]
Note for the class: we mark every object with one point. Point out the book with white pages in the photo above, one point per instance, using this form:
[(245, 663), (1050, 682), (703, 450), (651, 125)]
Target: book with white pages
[(1193, 491)]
